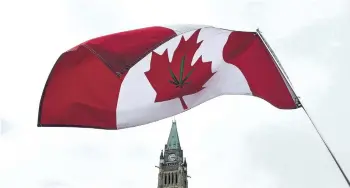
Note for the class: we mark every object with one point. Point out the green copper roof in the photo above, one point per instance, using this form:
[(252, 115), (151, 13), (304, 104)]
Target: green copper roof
[(173, 140)]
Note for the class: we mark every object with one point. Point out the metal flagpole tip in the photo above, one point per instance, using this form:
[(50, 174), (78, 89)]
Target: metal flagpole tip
[(258, 30)]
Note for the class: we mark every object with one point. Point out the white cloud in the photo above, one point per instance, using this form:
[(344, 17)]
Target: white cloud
[(241, 142)]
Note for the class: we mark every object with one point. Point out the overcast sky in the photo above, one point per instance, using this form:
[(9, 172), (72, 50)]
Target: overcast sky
[(231, 141)]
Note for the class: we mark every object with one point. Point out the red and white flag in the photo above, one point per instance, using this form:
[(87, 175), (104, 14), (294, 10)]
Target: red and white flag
[(140, 76)]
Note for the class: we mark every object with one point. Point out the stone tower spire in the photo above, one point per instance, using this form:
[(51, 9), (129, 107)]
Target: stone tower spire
[(172, 166), (173, 140)]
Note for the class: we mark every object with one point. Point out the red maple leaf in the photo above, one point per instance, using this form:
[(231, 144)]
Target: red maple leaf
[(178, 78)]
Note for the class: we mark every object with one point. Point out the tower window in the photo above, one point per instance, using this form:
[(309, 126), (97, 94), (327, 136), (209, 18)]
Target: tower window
[(176, 178), (168, 178), (172, 178)]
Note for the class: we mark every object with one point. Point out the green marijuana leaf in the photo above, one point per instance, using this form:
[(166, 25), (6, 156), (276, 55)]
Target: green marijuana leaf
[(179, 83)]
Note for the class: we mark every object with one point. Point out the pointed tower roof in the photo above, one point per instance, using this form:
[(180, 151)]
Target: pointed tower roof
[(173, 140)]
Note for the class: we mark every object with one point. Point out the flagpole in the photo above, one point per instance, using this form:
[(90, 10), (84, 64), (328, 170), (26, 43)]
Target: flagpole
[(298, 102), (324, 142)]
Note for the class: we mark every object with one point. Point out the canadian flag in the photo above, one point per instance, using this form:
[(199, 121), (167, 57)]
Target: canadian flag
[(140, 76)]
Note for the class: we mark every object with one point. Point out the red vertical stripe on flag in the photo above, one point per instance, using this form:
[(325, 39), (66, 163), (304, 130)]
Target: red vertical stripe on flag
[(83, 87), (247, 51), (81, 90)]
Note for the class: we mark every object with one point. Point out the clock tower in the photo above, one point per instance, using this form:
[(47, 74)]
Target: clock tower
[(172, 164)]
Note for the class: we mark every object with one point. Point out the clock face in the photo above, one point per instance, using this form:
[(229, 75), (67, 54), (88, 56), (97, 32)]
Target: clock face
[(172, 157)]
